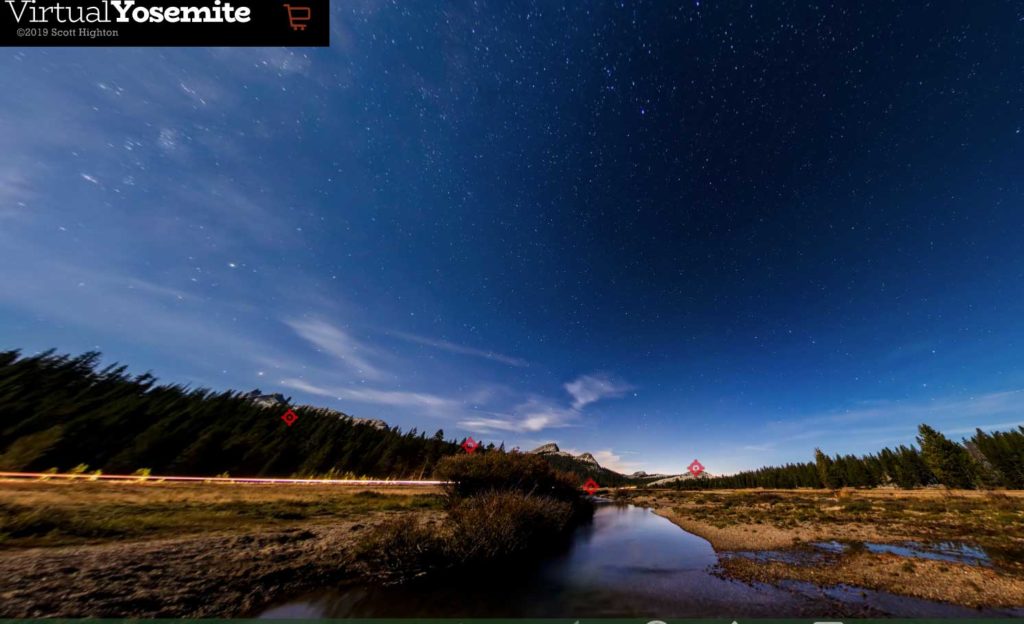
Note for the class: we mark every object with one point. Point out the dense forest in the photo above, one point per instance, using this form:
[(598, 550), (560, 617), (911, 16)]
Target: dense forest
[(986, 460), (62, 412)]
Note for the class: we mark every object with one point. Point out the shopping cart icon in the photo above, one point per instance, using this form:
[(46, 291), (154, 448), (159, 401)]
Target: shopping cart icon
[(298, 16)]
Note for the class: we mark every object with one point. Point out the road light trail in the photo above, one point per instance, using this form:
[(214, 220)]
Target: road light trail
[(257, 480)]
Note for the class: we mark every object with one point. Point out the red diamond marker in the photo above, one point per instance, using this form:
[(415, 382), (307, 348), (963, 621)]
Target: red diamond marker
[(591, 486), (696, 468), (470, 445), (289, 417)]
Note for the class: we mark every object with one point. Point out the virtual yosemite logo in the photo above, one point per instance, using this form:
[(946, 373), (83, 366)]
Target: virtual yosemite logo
[(30, 12), (233, 23)]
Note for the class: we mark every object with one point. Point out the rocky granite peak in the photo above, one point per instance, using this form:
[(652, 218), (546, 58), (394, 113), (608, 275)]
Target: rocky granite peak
[(544, 449)]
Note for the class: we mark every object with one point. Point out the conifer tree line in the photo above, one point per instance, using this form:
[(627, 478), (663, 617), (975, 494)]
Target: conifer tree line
[(59, 411), (986, 460)]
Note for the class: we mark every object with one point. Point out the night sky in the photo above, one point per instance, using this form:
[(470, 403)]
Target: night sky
[(721, 230)]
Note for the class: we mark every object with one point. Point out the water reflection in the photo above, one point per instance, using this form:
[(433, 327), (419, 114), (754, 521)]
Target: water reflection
[(628, 563), (954, 552)]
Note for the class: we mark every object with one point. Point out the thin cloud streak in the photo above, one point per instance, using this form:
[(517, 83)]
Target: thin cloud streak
[(496, 425), (936, 410), (451, 347), (535, 414), (337, 343), (112, 305), (395, 398), (885, 423), (1004, 426)]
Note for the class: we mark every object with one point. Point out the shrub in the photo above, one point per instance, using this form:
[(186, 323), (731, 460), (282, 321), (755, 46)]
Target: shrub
[(401, 547), (481, 528), (500, 505), (502, 524), (509, 472)]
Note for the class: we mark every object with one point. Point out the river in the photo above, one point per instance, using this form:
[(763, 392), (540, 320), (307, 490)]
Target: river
[(629, 562)]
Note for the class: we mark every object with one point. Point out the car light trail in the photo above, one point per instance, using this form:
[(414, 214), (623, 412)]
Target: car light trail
[(259, 480)]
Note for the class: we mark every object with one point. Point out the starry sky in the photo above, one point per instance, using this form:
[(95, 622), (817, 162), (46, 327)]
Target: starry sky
[(718, 230)]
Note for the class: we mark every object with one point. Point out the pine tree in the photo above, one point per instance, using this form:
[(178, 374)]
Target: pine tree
[(948, 461), (1004, 451), (825, 467)]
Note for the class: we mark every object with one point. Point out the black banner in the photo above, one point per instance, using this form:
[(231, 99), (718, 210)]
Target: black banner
[(292, 23)]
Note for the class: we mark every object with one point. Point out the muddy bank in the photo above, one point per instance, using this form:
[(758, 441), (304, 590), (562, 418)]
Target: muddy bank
[(219, 575)]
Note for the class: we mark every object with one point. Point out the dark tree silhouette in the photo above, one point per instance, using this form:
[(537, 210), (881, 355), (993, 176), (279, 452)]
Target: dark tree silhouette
[(60, 411)]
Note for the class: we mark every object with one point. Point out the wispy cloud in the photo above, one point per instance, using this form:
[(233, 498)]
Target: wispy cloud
[(588, 389), (497, 425), (1003, 426), (111, 304), (15, 189), (535, 414), (395, 398), (538, 413), (444, 345), (339, 344), (875, 423), (938, 410)]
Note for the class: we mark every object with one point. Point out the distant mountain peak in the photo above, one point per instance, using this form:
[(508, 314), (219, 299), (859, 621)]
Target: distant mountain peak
[(686, 476), (552, 449), (267, 400), (544, 449), (376, 423)]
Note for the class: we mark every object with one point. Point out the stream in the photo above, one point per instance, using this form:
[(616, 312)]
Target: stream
[(629, 562)]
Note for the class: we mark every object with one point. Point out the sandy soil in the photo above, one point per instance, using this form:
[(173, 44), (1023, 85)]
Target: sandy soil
[(742, 536)]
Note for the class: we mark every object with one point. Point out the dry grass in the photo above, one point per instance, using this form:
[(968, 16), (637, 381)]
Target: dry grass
[(743, 520), (970, 586), (102, 549), (48, 513)]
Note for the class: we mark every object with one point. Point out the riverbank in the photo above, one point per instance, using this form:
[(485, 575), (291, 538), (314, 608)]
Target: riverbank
[(90, 549), (771, 536)]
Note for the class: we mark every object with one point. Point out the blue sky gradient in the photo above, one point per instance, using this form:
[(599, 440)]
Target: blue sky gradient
[(656, 234)]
